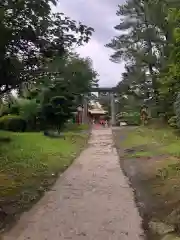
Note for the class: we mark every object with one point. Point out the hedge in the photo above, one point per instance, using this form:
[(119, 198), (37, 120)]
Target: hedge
[(12, 123)]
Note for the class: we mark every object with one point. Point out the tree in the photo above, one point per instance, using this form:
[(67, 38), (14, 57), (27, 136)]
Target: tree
[(177, 109), (59, 93), (72, 68), (170, 76), (28, 110), (57, 105), (81, 73), (77, 70), (144, 42), (30, 36), (136, 47)]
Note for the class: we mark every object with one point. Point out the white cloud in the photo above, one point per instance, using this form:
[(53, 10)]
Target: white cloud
[(99, 14), (109, 72)]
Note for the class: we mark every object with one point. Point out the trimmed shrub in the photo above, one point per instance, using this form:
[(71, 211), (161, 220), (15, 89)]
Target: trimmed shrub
[(28, 110), (131, 118), (177, 110), (12, 123), (173, 122), (14, 109)]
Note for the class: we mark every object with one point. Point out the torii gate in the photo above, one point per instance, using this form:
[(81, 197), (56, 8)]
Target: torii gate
[(111, 92)]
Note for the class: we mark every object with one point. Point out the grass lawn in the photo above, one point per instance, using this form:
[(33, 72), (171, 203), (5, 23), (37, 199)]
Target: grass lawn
[(154, 154), (162, 140), (29, 164)]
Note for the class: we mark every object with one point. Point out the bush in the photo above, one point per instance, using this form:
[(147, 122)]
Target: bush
[(14, 109), (131, 118), (177, 109), (12, 123), (28, 110), (173, 122)]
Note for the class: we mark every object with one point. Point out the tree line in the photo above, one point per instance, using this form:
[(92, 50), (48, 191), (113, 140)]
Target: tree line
[(148, 40), (38, 63)]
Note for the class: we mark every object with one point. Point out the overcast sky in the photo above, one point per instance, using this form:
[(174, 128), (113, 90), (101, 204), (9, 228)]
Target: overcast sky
[(101, 15)]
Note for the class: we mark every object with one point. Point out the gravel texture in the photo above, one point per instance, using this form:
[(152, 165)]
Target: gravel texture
[(92, 200)]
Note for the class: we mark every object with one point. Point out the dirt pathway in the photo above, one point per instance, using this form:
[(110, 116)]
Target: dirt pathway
[(91, 201)]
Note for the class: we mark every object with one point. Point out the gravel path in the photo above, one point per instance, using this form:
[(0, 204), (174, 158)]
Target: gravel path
[(91, 201)]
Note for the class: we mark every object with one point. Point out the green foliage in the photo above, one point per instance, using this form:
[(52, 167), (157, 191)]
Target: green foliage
[(80, 72), (53, 78), (172, 77), (4, 109), (173, 122), (131, 118), (28, 110), (53, 99), (57, 109), (177, 109), (12, 123), (24, 108), (30, 30), (36, 61), (27, 107), (33, 161), (161, 174), (147, 40)]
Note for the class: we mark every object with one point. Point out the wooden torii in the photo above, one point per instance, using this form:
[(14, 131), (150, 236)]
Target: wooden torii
[(111, 91)]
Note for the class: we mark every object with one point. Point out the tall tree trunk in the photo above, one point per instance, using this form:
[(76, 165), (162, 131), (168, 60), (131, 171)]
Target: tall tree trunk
[(150, 52)]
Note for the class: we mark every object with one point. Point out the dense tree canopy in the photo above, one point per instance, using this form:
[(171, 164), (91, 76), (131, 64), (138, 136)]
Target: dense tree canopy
[(148, 42), (31, 35), (38, 61), (51, 99)]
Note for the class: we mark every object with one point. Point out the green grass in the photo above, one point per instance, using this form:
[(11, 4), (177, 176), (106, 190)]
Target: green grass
[(158, 140), (142, 154), (137, 137), (77, 127), (162, 171), (29, 164)]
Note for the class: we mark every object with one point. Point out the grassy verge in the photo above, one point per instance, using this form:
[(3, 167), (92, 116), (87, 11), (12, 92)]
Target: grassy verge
[(76, 127), (154, 156), (29, 165)]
